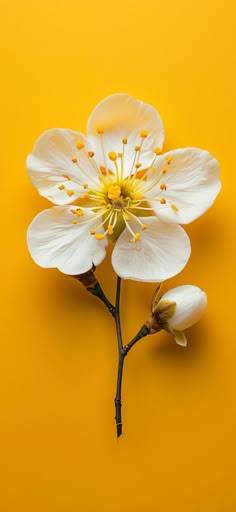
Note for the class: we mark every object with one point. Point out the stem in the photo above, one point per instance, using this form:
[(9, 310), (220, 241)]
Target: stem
[(142, 332), (122, 355)]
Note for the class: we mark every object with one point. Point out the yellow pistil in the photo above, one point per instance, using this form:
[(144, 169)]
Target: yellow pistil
[(163, 200), (137, 165), (112, 155), (70, 193), (79, 144), (143, 134), (169, 159), (100, 236), (74, 159), (164, 170), (90, 154), (61, 187), (124, 140), (100, 130), (163, 186), (92, 231), (110, 229), (157, 151), (174, 207), (136, 237), (113, 192)]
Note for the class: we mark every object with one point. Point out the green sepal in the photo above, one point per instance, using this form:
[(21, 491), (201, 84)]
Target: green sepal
[(154, 302), (164, 311), (179, 336)]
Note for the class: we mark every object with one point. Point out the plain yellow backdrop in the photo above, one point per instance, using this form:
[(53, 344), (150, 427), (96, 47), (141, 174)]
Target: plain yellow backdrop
[(58, 354)]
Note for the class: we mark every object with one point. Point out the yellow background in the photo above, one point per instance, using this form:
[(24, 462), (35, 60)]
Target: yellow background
[(58, 355)]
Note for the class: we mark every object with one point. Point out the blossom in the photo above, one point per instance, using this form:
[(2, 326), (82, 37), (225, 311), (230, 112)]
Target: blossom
[(115, 184), (180, 308)]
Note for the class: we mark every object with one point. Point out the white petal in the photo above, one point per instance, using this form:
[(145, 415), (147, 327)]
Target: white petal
[(121, 116), (191, 303), (192, 181), (161, 252), (51, 159), (54, 241)]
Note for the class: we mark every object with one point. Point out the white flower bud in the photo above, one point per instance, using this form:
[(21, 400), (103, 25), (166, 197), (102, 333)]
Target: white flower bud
[(190, 303)]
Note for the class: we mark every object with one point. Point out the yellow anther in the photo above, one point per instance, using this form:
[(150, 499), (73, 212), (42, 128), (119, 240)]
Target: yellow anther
[(75, 221), (164, 170), (174, 207), (157, 151), (100, 130), (136, 237), (168, 159), (100, 236), (61, 187), (74, 159), (108, 206), (70, 193), (124, 140), (120, 155), (112, 155), (143, 134), (138, 195), (110, 230), (163, 200), (79, 144), (136, 148), (66, 177), (90, 154), (114, 192), (85, 185), (79, 212), (92, 231), (103, 170), (137, 165), (163, 186), (144, 226), (86, 196), (74, 211)]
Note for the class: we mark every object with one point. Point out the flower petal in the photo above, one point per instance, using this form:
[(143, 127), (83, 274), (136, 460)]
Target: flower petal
[(161, 252), (54, 241), (192, 184), (50, 165), (120, 116), (191, 303)]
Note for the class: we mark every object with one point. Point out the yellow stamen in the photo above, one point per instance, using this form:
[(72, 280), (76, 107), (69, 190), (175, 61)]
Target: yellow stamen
[(85, 185), (110, 230), (79, 212), (144, 226), (138, 195), (92, 231), (103, 169), (74, 159), (163, 186), (112, 155), (157, 151), (66, 177), (100, 236), (137, 148), (137, 165), (100, 130), (120, 155), (114, 192), (70, 193), (80, 144), (86, 196), (164, 170), (61, 187), (90, 154), (136, 237), (124, 140), (174, 207), (163, 200), (75, 221), (108, 206), (168, 159), (143, 134)]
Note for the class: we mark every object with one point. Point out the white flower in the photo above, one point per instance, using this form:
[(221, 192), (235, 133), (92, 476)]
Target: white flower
[(123, 189), (180, 308)]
